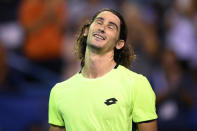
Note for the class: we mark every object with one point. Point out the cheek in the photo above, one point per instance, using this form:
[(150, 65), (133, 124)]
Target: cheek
[(114, 37), (91, 30), (89, 36), (92, 27), (117, 35), (114, 34)]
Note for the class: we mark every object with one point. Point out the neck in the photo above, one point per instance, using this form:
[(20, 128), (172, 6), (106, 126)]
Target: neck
[(97, 65)]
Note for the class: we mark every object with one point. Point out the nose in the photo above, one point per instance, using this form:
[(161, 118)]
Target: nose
[(101, 28)]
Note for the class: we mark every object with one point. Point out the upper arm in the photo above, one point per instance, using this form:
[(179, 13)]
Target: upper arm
[(148, 126), (55, 114), (144, 101), (56, 128)]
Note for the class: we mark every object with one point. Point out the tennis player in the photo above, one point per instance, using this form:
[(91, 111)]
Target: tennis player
[(105, 95)]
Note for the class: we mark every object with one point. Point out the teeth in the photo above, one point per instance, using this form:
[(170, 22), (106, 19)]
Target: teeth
[(97, 36)]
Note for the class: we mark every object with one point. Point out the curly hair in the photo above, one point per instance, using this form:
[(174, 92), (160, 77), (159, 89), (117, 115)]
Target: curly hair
[(123, 56)]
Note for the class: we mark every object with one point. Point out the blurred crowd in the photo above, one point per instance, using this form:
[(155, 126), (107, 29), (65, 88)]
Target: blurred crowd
[(36, 51)]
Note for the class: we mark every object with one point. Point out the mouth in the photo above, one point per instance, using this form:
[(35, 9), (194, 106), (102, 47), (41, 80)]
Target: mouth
[(98, 36)]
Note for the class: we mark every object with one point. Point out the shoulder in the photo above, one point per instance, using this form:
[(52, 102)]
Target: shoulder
[(129, 74), (133, 79), (59, 87)]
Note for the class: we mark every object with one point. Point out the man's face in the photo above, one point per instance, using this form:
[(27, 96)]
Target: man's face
[(103, 33)]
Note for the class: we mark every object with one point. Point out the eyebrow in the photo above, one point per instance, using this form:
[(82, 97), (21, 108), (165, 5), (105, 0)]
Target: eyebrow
[(112, 23)]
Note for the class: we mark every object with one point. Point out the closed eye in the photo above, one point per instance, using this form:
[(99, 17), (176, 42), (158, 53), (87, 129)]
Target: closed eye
[(99, 22), (112, 27)]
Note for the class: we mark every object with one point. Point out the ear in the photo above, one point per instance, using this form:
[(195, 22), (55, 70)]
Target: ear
[(85, 31), (120, 44)]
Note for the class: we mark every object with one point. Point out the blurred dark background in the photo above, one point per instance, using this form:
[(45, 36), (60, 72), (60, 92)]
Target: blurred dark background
[(36, 42)]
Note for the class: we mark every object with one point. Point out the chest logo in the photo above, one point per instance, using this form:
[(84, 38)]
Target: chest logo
[(110, 101)]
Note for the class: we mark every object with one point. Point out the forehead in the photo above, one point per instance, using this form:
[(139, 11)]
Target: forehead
[(109, 16)]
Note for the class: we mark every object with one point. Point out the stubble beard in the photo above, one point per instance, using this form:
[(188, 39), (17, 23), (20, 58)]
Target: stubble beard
[(94, 48)]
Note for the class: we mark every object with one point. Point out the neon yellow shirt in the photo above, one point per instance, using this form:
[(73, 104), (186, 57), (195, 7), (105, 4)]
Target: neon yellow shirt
[(107, 103)]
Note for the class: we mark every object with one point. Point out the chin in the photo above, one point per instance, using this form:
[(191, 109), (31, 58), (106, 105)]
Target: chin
[(95, 46)]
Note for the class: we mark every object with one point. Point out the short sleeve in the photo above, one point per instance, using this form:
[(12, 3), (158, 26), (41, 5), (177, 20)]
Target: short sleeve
[(55, 117), (144, 101)]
